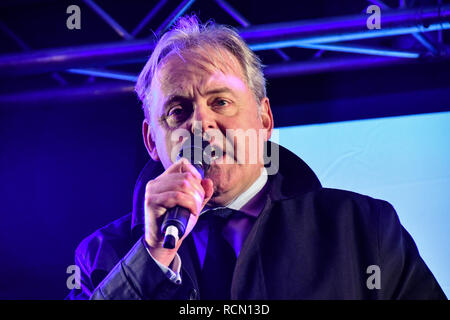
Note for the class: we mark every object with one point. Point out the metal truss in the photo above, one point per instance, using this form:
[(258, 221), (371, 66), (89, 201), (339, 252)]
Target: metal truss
[(339, 34)]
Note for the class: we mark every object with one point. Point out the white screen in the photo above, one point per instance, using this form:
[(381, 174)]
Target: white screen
[(404, 160)]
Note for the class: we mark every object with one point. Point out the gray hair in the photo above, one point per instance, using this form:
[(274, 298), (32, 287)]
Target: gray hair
[(189, 34)]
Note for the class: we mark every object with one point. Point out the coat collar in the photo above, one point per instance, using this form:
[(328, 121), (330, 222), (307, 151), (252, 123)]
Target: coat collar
[(293, 177)]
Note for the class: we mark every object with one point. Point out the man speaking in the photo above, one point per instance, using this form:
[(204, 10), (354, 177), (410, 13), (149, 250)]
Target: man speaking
[(254, 229)]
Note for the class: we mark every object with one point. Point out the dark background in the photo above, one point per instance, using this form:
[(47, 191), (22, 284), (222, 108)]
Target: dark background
[(71, 146)]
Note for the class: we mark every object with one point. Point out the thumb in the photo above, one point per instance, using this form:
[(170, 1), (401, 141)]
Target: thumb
[(208, 186)]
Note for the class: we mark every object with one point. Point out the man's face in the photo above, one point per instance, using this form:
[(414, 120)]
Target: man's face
[(197, 96)]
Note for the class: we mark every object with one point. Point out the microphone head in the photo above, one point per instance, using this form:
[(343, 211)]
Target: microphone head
[(194, 150)]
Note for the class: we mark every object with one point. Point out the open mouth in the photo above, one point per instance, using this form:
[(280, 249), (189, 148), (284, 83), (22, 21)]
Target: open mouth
[(215, 153)]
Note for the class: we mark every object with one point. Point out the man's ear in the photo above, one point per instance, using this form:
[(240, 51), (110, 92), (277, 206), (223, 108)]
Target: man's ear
[(148, 140), (266, 116)]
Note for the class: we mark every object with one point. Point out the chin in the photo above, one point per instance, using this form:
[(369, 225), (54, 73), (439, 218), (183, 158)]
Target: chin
[(224, 178), (218, 176)]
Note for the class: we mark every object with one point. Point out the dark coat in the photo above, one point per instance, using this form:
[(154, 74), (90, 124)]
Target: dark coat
[(309, 242)]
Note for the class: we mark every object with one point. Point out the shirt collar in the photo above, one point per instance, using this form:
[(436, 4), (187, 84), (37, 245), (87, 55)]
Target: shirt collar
[(244, 198)]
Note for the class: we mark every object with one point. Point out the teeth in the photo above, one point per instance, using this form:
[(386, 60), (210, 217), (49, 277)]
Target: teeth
[(217, 153)]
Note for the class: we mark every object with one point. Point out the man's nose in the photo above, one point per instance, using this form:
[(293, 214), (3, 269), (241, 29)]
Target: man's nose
[(202, 119)]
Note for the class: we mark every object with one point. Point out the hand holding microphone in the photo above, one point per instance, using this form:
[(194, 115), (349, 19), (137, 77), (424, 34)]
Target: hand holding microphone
[(176, 220), (174, 200)]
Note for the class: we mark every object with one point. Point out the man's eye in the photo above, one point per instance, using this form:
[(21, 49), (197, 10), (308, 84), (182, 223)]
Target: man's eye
[(177, 115), (175, 111), (221, 102)]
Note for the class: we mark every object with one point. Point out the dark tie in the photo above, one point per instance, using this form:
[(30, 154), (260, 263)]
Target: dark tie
[(220, 259)]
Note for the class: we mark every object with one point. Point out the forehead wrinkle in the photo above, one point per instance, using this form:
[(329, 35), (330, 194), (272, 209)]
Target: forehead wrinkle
[(199, 63), (224, 83)]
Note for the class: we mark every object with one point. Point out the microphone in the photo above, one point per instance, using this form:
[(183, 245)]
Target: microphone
[(176, 219)]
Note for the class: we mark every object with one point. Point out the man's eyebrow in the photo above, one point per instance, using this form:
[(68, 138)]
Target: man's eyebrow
[(174, 98), (178, 97), (219, 90)]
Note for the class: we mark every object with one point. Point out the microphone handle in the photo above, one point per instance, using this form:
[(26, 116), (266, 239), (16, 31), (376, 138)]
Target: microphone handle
[(174, 226), (176, 220)]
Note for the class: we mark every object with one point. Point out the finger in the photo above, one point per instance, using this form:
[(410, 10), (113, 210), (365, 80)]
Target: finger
[(186, 166), (182, 165), (175, 167), (184, 182), (171, 199), (208, 187)]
